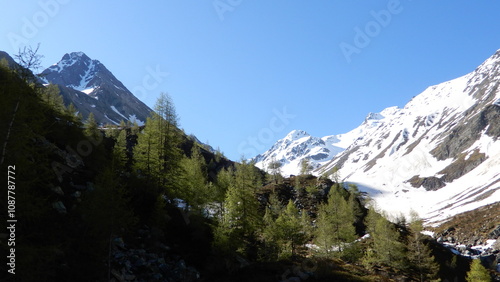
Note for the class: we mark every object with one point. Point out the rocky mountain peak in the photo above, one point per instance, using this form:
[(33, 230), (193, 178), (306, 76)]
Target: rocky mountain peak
[(91, 87), (296, 134)]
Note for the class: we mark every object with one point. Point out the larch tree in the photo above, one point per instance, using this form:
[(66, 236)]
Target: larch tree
[(275, 169), (195, 189), (419, 254), (477, 272), (335, 230), (291, 231), (157, 153), (241, 219), (51, 95), (387, 248)]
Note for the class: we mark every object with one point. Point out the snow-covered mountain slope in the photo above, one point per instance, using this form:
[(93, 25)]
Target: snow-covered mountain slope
[(438, 155), (295, 147), (91, 87), (299, 145)]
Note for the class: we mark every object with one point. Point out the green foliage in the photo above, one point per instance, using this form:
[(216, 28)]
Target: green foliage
[(275, 170), (305, 167), (157, 154), (477, 272), (52, 97), (287, 233), (419, 254), (387, 249), (241, 217), (195, 188), (91, 128), (335, 231)]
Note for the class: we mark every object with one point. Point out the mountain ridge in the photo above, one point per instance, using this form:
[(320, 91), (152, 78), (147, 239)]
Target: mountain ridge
[(422, 156)]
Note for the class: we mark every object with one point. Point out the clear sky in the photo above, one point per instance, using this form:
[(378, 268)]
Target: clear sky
[(244, 73)]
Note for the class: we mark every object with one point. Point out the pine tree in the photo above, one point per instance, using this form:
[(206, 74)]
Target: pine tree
[(419, 254), (477, 272)]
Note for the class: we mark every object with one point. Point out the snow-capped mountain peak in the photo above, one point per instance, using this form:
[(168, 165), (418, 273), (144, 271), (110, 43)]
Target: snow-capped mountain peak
[(296, 134), (77, 71), (91, 87)]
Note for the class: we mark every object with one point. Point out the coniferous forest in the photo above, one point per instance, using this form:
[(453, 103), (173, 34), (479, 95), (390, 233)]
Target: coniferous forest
[(149, 203)]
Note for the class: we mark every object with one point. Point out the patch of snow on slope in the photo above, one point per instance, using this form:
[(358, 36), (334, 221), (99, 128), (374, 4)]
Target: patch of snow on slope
[(85, 78), (118, 112), (133, 119), (88, 91)]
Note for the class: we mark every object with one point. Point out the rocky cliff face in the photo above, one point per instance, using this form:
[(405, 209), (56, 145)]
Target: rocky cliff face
[(91, 87)]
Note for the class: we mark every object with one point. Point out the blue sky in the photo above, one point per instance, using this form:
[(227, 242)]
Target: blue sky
[(244, 73)]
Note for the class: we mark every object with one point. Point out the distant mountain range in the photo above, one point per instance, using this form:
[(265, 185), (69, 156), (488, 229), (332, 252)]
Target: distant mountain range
[(92, 88), (438, 155)]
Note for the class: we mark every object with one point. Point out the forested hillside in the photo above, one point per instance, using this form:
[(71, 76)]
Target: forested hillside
[(130, 203)]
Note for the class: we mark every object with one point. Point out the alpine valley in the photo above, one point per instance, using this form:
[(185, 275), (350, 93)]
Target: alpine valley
[(438, 155), (143, 201)]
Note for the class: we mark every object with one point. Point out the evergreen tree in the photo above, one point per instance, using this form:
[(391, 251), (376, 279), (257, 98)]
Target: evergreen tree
[(477, 272), (419, 254)]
